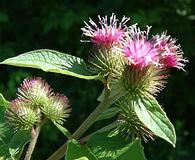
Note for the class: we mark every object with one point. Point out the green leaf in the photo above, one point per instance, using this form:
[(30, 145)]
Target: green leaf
[(18, 141), (115, 147), (3, 101), (152, 115), (109, 113), (6, 133), (76, 151), (52, 61), (63, 130)]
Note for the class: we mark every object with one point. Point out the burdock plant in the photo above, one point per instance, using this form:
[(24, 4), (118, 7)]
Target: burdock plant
[(133, 67)]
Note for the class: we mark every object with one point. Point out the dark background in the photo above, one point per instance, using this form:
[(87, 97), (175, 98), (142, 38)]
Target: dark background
[(35, 24)]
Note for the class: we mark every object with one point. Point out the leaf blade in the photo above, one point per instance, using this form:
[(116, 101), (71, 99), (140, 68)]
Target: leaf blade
[(152, 115), (81, 151), (18, 141), (63, 130), (52, 61), (115, 147), (3, 101)]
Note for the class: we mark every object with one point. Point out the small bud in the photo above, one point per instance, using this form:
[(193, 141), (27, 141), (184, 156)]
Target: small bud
[(129, 124), (20, 115), (35, 90), (57, 109)]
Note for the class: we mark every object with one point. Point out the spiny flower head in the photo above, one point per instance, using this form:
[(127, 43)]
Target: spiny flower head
[(139, 51), (170, 54), (20, 115), (129, 124), (36, 90), (150, 79), (107, 62), (58, 108), (108, 32)]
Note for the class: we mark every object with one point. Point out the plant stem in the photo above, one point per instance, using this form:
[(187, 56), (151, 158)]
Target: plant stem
[(86, 124), (33, 141)]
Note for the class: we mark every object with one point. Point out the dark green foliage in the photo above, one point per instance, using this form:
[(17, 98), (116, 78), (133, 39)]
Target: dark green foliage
[(29, 25)]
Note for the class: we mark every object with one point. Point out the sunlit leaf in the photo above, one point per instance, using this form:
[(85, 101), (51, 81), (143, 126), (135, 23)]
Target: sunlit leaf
[(52, 61), (152, 115)]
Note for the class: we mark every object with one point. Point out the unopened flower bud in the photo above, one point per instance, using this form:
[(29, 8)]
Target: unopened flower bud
[(20, 115), (129, 124), (35, 90), (150, 79), (107, 62), (57, 109)]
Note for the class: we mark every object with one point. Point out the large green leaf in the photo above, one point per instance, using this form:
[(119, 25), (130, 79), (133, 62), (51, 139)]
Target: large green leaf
[(76, 151), (52, 61), (115, 147), (152, 115), (3, 101)]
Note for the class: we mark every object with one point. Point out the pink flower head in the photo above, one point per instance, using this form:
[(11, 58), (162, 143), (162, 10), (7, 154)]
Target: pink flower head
[(170, 54), (138, 50), (108, 32)]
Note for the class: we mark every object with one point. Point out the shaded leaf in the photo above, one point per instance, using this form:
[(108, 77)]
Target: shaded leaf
[(18, 141), (76, 151), (63, 130), (115, 147), (52, 61)]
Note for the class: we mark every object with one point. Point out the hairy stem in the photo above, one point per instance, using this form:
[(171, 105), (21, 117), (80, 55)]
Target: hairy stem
[(87, 123), (33, 141)]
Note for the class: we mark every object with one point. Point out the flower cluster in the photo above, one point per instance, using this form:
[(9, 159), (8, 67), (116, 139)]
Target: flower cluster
[(36, 101), (135, 44), (131, 59)]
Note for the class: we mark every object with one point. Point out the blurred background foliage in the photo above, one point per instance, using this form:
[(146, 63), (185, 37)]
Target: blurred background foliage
[(32, 24)]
